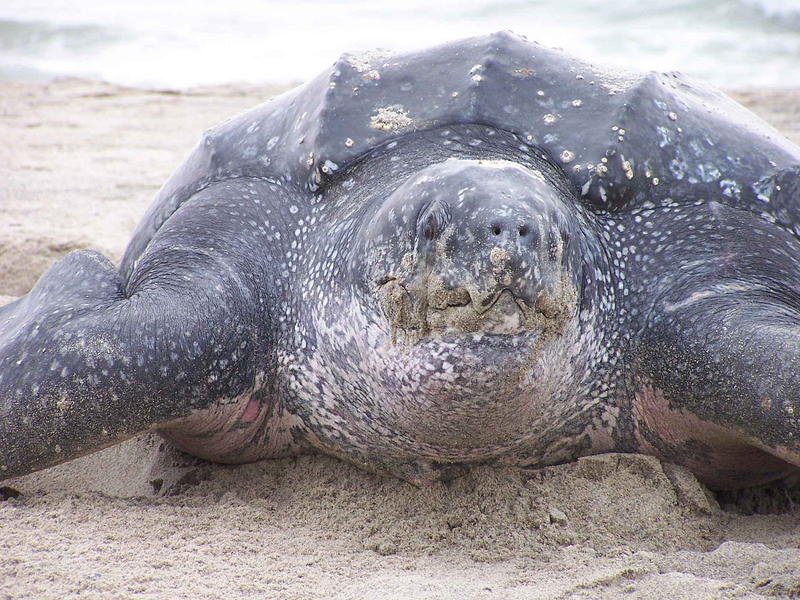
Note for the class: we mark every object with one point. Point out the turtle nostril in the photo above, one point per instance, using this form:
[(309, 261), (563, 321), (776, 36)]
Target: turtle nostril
[(523, 231), (496, 229)]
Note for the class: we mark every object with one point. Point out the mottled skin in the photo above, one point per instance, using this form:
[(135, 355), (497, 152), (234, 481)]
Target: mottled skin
[(485, 251)]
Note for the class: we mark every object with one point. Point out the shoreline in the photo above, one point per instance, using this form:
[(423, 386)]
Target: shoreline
[(81, 162)]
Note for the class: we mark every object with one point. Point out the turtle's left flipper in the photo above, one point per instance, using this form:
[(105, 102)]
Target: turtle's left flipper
[(716, 375)]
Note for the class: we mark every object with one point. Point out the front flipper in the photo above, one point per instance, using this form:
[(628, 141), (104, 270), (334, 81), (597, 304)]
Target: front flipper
[(86, 363), (716, 372)]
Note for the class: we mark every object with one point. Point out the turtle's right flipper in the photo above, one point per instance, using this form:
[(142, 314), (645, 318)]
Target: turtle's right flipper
[(83, 365)]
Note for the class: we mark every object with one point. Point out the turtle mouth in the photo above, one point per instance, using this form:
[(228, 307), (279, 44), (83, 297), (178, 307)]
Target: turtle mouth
[(424, 308), (503, 315)]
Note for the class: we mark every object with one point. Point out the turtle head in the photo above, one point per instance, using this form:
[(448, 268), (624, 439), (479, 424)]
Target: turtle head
[(467, 323), (472, 246)]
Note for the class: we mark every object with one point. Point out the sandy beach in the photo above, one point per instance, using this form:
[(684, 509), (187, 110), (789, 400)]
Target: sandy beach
[(79, 163)]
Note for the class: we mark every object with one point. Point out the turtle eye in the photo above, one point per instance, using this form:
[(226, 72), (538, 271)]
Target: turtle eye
[(432, 219), (429, 229), (384, 280)]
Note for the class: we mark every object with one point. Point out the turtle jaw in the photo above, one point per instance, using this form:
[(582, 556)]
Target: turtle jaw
[(505, 315), (421, 310)]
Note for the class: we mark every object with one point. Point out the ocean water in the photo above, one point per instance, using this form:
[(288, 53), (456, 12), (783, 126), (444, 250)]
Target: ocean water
[(178, 44)]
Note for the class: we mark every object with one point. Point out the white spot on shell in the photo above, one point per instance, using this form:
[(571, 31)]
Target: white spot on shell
[(390, 119), (627, 168), (361, 61)]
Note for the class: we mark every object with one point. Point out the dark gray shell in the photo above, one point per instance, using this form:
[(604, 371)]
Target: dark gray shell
[(622, 139)]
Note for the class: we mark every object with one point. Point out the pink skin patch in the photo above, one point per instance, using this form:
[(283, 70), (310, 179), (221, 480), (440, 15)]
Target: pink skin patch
[(251, 411), (732, 454)]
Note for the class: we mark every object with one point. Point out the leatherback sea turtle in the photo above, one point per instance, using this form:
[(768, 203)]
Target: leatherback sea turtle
[(484, 251)]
